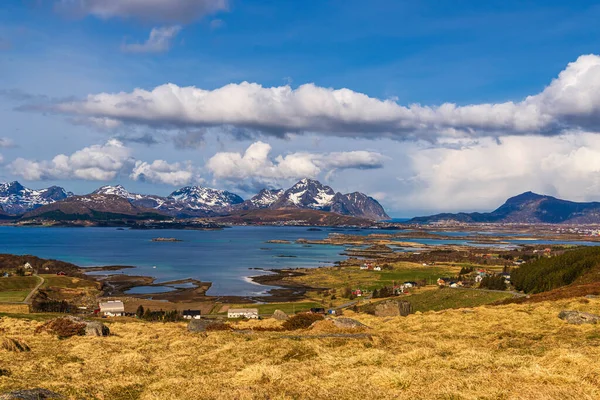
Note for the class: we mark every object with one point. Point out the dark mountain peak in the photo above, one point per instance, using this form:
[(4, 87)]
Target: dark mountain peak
[(9, 188), (528, 208), (526, 197)]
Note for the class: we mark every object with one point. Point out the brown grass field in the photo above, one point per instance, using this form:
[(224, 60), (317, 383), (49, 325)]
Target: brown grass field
[(516, 351)]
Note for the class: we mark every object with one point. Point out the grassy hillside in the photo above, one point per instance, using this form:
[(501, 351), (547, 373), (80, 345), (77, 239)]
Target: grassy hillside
[(16, 288), (506, 352), (546, 274)]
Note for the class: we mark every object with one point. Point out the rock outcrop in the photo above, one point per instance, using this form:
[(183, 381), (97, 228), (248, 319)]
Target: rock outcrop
[(578, 317), (280, 315), (393, 308)]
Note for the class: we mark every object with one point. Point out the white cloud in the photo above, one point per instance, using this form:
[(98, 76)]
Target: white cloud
[(571, 101), (484, 175), (171, 11), (160, 171), (6, 142), (256, 165), (159, 41), (97, 162)]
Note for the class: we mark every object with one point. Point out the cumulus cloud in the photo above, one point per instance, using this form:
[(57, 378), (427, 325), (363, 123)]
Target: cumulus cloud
[(256, 165), (571, 101), (6, 142), (160, 171), (482, 176), (168, 11), (97, 162), (159, 41)]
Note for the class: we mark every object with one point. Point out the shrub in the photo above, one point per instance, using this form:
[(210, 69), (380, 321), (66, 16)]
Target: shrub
[(218, 326), (301, 321), (494, 282), (63, 328)]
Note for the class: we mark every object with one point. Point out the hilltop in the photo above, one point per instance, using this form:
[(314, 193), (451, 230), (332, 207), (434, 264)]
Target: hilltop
[(529, 208), (513, 351)]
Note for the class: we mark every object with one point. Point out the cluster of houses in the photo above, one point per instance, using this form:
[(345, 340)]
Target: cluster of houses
[(370, 267), (476, 276)]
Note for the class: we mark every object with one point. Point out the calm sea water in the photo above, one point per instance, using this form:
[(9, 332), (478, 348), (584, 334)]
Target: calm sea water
[(223, 257)]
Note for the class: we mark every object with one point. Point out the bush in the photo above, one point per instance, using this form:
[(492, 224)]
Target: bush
[(301, 321), (494, 282), (218, 326), (63, 328)]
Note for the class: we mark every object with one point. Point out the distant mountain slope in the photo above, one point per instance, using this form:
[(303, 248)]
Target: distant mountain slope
[(17, 199), (300, 216), (190, 201), (527, 207), (93, 206)]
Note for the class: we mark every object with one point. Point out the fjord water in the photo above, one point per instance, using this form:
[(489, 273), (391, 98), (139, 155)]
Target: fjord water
[(223, 257)]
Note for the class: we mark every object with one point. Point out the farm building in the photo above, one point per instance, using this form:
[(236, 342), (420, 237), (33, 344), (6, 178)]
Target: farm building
[(191, 314), (112, 308), (250, 313)]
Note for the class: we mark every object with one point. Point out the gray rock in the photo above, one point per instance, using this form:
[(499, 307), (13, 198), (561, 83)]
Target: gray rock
[(95, 328), (348, 323), (592, 296), (30, 394), (92, 328), (200, 325), (280, 315), (393, 308), (578, 317)]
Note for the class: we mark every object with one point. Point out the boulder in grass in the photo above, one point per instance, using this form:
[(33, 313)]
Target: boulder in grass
[(578, 317), (280, 315), (393, 308), (202, 325), (92, 328), (30, 394), (348, 323)]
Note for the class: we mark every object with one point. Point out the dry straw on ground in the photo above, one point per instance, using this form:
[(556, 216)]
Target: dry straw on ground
[(505, 352)]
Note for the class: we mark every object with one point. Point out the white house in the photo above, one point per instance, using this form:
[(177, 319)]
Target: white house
[(377, 268), (112, 308), (27, 266), (250, 313), (191, 314)]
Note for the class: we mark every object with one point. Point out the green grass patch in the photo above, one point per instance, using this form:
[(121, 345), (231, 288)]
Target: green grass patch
[(18, 283), (441, 299), (66, 282), (13, 296), (33, 316), (16, 288)]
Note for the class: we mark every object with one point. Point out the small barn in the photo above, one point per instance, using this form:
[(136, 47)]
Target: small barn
[(250, 313), (112, 308), (191, 314)]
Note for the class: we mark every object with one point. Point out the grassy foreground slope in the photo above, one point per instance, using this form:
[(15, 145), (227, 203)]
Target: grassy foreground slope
[(506, 352)]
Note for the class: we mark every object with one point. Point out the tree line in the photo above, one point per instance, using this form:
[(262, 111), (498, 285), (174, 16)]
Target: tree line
[(545, 274)]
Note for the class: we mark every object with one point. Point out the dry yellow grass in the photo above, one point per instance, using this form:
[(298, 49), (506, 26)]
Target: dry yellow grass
[(506, 352)]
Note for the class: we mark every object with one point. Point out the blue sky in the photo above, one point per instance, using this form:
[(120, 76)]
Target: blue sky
[(56, 53)]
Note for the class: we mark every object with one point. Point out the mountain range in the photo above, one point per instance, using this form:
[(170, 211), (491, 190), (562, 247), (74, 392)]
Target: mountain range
[(527, 208), (189, 201)]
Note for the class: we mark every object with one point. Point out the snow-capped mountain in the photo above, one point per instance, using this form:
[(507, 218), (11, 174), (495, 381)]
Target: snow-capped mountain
[(194, 201), (263, 199), (198, 197), (16, 199), (309, 193)]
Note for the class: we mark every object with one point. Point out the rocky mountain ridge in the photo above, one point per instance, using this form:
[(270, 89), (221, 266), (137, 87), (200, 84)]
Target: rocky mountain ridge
[(189, 201)]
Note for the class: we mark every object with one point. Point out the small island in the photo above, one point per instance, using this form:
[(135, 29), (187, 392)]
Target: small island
[(164, 239)]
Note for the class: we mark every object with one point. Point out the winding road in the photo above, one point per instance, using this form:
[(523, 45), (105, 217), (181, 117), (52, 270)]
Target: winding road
[(34, 291)]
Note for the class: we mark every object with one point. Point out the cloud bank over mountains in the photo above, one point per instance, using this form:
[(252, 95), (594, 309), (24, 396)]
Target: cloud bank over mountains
[(571, 101)]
